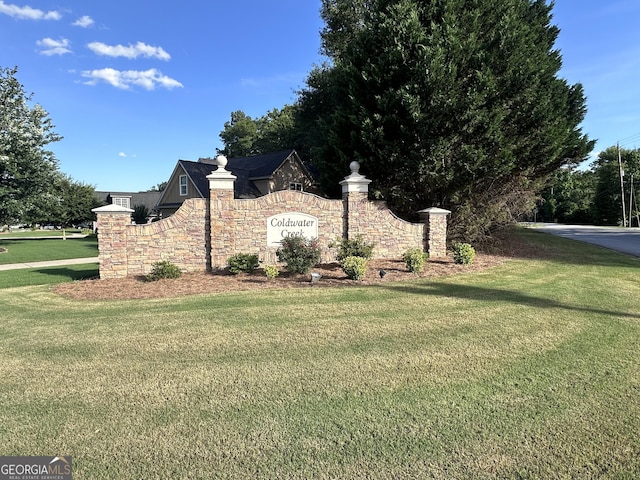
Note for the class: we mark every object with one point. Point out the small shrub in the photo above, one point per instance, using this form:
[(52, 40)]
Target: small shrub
[(163, 269), (463, 253), (352, 247), (243, 262), (271, 271), (299, 254), (415, 259), (354, 267)]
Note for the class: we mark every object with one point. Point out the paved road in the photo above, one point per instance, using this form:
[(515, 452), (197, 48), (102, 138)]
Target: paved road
[(624, 240), (52, 263)]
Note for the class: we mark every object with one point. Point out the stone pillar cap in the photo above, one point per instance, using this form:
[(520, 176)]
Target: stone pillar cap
[(112, 209), (221, 178), (355, 182), (435, 211)]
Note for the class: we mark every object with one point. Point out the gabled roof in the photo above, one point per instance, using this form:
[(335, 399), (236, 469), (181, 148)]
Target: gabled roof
[(197, 173), (148, 199), (246, 169)]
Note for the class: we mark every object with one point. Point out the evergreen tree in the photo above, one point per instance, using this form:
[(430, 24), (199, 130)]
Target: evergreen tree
[(445, 103)]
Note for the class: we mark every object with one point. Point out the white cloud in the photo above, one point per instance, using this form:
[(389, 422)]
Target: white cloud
[(147, 79), (28, 13), (84, 22), (49, 46), (132, 51), (122, 154)]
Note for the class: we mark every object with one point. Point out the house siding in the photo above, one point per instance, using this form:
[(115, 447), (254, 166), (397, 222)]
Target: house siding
[(171, 195)]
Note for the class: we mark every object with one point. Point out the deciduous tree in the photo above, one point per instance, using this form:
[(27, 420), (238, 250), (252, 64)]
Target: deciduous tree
[(27, 168), (276, 130)]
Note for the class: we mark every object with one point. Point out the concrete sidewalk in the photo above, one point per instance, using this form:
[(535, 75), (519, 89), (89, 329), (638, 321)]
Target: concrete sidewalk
[(51, 263)]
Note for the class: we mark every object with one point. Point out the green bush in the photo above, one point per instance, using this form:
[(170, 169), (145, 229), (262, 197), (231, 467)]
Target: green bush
[(463, 253), (354, 267), (352, 247), (299, 254), (163, 269), (243, 262), (415, 259), (271, 271)]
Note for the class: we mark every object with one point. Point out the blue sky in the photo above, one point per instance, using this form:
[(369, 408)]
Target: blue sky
[(135, 86)]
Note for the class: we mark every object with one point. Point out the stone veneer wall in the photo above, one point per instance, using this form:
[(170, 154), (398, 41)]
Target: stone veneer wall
[(112, 243), (435, 222), (390, 235), (203, 234), (127, 250), (240, 226)]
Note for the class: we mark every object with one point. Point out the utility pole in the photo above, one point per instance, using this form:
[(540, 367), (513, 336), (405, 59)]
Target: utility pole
[(624, 210), (630, 199)]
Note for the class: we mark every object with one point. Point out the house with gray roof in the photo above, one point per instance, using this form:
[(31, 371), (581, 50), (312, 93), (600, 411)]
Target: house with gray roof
[(132, 200), (256, 176)]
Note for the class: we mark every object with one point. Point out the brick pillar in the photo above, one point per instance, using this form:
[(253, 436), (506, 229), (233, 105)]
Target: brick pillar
[(112, 224), (221, 214), (435, 226), (355, 192)]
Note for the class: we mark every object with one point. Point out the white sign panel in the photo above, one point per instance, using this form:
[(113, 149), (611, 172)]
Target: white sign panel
[(285, 224)]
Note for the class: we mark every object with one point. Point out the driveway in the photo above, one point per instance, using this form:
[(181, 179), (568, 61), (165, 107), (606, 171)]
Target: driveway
[(623, 240)]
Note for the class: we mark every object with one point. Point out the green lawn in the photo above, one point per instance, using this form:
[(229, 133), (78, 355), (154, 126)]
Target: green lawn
[(48, 275), (22, 250), (527, 370)]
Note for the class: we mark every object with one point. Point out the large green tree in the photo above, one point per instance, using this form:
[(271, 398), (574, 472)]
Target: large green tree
[(569, 197), (608, 200), (27, 168), (452, 103), (67, 203), (276, 130)]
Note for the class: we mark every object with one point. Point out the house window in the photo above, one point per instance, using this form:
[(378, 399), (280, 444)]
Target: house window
[(183, 185), (295, 186), (122, 201)]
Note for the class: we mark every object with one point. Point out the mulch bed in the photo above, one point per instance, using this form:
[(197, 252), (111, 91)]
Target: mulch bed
[(219, 282)]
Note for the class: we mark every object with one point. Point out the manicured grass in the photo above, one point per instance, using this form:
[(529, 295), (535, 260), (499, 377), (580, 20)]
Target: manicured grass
[(527, 370), (20, 251), (44, 276)]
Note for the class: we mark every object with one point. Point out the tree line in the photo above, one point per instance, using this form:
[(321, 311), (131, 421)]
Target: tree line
[(596, 195)]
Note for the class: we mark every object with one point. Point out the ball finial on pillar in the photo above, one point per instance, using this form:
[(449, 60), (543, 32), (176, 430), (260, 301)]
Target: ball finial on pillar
[(221, 161)]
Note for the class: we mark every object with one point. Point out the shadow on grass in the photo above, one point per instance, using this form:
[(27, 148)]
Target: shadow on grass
[(525, 243), (467, 292), (70, 273)]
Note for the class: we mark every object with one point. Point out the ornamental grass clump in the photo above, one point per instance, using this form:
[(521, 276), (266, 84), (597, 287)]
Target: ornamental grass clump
[(299, 254), (163, 269), (243, 262), (354, 267), (463, 253), (415, 259)]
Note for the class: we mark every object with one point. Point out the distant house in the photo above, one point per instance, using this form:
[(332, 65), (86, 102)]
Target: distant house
[(132, 200), (256, 176)]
